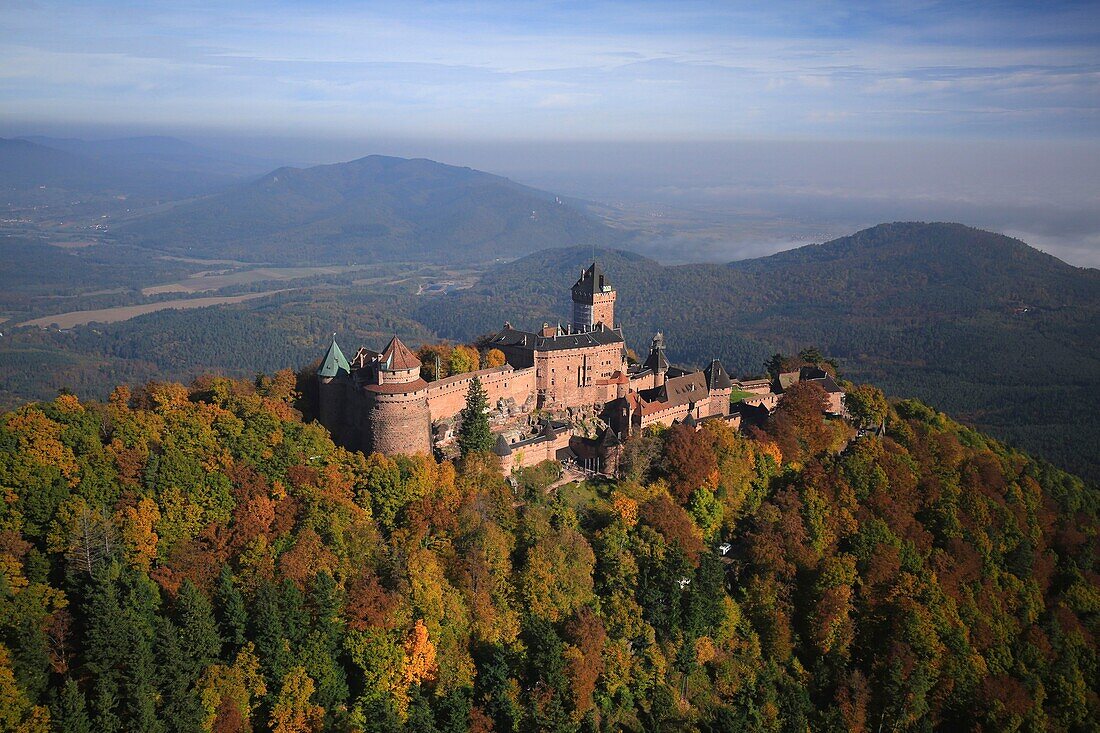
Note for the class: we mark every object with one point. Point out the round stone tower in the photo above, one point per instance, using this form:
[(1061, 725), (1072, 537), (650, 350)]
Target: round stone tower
[(398, 418)]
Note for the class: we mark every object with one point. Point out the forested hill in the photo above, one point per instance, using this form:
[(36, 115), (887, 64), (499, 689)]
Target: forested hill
[(374, 208), (979, 324), (201, 559)]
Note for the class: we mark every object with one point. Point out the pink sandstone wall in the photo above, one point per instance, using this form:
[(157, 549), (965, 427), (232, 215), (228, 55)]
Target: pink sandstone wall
[(535, 453), (400, 423), (447, 397), (603, 309), (665, 417), (769, 400), (569, 378)]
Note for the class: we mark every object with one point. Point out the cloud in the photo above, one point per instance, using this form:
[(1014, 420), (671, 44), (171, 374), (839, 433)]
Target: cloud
[(565, 100), (644, 69)]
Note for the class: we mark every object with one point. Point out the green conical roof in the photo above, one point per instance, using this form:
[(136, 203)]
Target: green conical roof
[(334, 362)]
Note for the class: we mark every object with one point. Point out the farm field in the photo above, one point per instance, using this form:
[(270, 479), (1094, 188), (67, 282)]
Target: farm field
[(126, 312)]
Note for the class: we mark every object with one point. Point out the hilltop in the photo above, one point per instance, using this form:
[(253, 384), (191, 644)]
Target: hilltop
[(374, 208)]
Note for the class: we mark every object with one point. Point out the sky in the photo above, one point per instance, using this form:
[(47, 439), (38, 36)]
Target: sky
[(560, 70), (531, 88)]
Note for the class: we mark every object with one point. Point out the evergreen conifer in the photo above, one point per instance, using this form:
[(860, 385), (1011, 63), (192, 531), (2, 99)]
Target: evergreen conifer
[(474, 434)]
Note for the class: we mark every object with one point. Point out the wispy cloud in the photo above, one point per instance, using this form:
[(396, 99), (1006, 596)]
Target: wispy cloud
[(677, 70)]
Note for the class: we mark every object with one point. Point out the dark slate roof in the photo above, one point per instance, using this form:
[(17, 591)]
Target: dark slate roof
[(656, 361), (525, 339), (334, 362), (812, 372), (608, 438), (690, 420), (592, 281), (827, 383), (681, 390), (686, 389), (786, 379), (717, 377), (502, 448)]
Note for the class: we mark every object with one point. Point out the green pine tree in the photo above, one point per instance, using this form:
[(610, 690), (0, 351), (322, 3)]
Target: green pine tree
[(69, 712), (197, 629), (321, 650), (231, 612), (179, 707), (267, 632), (474, 434)]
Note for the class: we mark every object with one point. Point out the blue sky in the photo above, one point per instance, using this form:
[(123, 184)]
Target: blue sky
[(640, 71)]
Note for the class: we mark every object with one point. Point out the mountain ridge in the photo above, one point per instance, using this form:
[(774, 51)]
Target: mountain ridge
[(376, 206)]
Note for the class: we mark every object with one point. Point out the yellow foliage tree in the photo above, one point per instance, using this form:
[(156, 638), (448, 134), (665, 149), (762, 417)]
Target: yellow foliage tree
[(165, 396), (68, 403), (241, 686), (420, 664), (293, 712), (138, 532), (39, 445), (493, 358), (626, 509), (464, 359), (768, 448)]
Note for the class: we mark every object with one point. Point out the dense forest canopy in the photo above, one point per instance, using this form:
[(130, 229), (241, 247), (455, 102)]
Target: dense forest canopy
[(202, 558)]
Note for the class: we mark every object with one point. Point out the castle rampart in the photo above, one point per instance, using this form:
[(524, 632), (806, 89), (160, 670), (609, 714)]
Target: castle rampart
[(447, 396)]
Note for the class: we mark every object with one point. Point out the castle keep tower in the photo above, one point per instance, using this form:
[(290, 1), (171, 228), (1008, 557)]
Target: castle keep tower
[(593, 300)]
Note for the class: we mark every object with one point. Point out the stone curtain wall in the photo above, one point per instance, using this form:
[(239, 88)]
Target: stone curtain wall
[(446, 397)]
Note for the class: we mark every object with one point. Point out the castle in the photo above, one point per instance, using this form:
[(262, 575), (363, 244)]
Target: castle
[(379, 402)]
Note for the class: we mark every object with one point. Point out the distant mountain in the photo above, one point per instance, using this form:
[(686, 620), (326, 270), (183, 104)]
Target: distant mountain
[(142, 172), (160, 153), (976, 323), (374, 208), (25, 164)]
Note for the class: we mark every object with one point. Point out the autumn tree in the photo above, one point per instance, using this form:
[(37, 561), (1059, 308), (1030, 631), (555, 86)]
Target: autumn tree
[(435, 361), (690, 462), (420, 664), (293, 712), (464, 359), (16, 711), (867, 406), (798, 423), (492, 358)]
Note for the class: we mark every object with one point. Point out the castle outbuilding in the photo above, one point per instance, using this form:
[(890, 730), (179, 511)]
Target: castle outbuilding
[(380, 402)]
